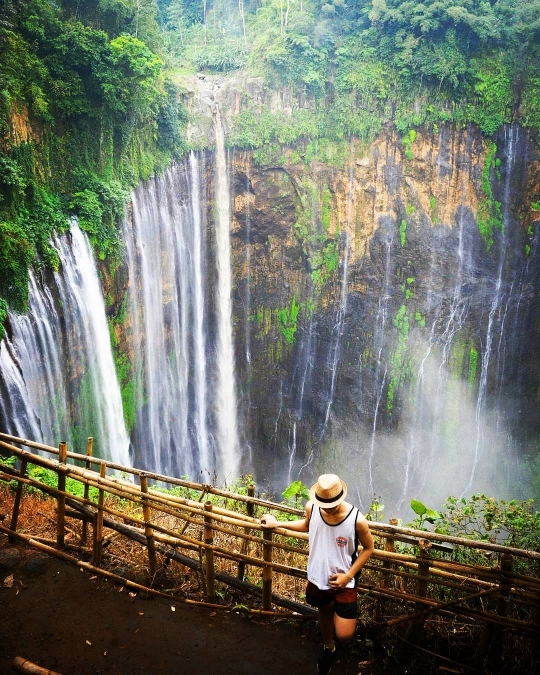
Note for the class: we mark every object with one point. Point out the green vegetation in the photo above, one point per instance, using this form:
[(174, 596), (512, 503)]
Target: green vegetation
[(407, 140), (403, 233), (489, 209), (369, 62), (473, 366), (482, 518), (399, 364), (296, 494), (49, 478), (326, 209), (433, 209), (424, 515), (86, 109), (323, 264), (420, 319), (90, 98), (288, 321)]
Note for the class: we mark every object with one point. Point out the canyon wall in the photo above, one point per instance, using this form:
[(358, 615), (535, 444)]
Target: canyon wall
[(385, 313), (386, 305)]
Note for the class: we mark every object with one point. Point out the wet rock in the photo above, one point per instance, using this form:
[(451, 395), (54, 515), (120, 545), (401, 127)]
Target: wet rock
[(121, 571), (9, 558), (37, 564)]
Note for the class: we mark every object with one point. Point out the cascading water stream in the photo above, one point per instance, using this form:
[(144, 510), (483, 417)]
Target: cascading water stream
[(153, 278), (381, 368), (307, 368), (84, 311), (342, 309), (62, 357), (418, 465), (199, 341), (247, 317), (292, 454), (498, 294), (36, 401), (227, 434), (248, 279), (166, 263)]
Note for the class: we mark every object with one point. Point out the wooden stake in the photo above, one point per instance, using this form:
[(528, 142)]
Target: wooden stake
[(245, 543), (17, 502), (497, 641), (89, 447), (60, 532), (415, 631), (267, 570), (148, 531), (98, 525), (209, 553), (386, 566)]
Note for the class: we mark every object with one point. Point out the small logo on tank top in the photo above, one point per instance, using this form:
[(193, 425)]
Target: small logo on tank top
[(341, 541)]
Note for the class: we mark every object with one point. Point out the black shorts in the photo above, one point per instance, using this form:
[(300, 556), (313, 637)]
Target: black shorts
[(345, 600)]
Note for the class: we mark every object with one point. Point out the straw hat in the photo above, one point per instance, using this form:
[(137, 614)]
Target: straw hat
[(328, 491)]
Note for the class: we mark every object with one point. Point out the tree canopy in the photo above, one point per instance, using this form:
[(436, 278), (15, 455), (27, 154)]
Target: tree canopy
[(90, 87)]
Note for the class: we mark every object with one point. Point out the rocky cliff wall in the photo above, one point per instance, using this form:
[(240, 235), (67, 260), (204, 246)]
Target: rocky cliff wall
[(386, 310)]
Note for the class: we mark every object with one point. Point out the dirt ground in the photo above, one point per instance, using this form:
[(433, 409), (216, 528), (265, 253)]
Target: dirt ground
[(56, 615)]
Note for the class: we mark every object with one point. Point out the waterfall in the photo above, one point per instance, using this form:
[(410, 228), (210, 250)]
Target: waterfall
[(292, 454), (494, 313), (246, 406), (57, 367), (181, 329), (83, 308), (411, 377), (199, 316), (381, 366), (342, 308), (167, 316), (226, 390)]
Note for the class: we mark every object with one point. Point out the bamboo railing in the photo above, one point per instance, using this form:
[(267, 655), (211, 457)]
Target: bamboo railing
[(412, 574)]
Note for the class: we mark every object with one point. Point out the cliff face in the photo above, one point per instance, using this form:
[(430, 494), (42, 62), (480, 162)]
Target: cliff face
[(385, 310), (385, 313)]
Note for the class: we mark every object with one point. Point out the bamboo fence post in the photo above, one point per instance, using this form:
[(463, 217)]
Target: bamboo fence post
[(209, 553), (245, 543), (89, 446), (497, 639), (389, 547), (98, 523), (17, 502), (537, 621), (414, 632), (61, 518), (267, 570), (148, 531)]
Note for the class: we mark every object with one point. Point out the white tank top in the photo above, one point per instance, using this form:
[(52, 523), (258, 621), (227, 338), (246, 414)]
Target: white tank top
[(332, 548)]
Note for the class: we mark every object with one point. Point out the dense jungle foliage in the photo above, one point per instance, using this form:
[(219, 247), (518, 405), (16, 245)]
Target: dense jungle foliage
[(90, 91)]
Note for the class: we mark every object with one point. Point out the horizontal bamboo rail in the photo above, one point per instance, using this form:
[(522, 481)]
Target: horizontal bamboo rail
[(22, 665), (210, 489), (166, 523)]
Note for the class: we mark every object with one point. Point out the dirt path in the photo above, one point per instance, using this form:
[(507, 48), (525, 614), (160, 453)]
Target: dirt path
[(69, 621)]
